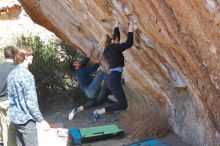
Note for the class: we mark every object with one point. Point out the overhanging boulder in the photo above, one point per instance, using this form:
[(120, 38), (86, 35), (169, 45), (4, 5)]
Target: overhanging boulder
[(173, 67)]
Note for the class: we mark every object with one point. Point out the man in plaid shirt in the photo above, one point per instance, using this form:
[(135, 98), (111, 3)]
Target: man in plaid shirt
[(23, 107)]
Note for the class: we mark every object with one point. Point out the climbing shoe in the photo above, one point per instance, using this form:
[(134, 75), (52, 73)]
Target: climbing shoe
[(95, 115), (72, 113)]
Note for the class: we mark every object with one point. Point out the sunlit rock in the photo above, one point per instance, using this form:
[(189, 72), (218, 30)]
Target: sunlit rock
[(174, 64)]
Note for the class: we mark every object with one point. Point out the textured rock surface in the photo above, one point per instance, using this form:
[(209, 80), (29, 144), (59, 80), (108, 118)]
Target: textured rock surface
[(174, 65), (18, 23), (11, 11)]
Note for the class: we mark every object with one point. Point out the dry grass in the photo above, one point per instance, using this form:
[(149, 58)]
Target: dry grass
[(144, 120), (144, 123)]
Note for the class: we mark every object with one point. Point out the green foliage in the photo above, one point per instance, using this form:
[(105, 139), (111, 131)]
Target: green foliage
[(1, 55), (51, 66)]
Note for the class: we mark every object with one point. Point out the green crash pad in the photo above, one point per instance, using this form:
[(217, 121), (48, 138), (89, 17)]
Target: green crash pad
[(100, 132)]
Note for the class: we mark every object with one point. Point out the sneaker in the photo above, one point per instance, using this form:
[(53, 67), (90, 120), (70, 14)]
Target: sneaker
[(72, 113), (95, 115)]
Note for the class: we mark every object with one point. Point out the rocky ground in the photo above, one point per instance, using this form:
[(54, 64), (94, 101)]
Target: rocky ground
[(84, 119)]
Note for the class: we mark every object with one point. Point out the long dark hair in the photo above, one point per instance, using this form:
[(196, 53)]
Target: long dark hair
[(71, 67)]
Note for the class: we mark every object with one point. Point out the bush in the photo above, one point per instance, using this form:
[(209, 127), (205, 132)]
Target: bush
[(1, 55), (51, 66)]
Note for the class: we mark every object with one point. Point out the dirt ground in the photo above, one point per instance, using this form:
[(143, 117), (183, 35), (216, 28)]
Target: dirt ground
[(84, 119)]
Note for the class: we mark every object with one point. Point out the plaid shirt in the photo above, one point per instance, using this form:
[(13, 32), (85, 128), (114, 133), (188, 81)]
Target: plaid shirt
[(22, 96)]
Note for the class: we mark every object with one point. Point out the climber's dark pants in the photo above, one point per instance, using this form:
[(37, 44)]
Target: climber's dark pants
[(115, 86), (104, 92)]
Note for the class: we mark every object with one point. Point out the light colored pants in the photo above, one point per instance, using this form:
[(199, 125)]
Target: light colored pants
[(8, 133), (26, 134), (95, 85)]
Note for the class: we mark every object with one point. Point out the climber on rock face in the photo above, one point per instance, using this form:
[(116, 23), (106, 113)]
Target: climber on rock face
[(88, 84), (83, 73), (115, 59), (104, 93)]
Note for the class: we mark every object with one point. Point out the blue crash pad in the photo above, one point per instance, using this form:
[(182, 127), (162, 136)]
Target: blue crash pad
[(76, 136), (149, 142)]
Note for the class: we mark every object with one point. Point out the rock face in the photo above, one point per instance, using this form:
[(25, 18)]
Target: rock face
[(174, 64), (8, 12), (14, 22)]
